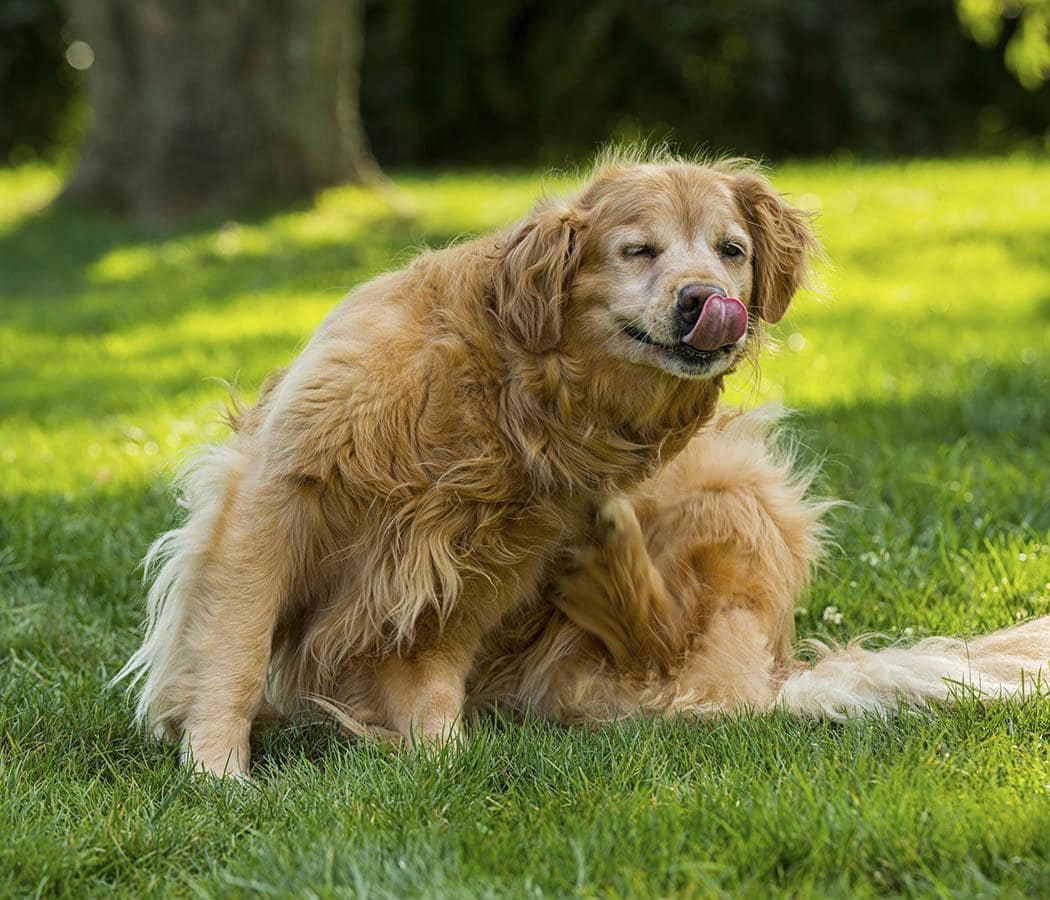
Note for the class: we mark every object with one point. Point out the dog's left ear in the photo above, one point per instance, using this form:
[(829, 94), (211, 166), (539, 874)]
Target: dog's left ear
[(536, 263), (784, 244)]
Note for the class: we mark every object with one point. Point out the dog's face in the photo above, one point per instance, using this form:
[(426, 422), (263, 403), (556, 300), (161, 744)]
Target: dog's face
[(659, 266), (663, 248)]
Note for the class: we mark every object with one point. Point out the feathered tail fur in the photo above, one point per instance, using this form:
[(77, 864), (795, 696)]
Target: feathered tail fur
[(846, 681)]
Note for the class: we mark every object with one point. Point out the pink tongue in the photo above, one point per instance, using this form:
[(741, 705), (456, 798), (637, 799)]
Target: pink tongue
[(723, 321)]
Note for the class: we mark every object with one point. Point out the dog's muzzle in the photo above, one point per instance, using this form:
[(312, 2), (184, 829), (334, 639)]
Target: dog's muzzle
[(710, 320)]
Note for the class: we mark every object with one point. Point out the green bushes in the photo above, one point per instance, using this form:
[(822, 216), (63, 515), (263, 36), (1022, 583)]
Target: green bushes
[(522, 81), (37, 86)]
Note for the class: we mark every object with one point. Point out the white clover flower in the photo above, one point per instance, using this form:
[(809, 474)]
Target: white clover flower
[(832, 615)]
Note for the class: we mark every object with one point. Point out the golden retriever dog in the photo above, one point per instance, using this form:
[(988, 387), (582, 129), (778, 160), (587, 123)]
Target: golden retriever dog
[(499, 477), (680, 600), (398, 491)]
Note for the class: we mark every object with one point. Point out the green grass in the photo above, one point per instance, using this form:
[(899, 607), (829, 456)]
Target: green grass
[(923, 383)]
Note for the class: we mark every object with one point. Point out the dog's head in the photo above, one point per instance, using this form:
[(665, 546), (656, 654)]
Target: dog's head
[(666, 266)]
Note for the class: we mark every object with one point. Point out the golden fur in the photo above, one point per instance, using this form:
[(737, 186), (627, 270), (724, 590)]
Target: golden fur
[(678, 600)]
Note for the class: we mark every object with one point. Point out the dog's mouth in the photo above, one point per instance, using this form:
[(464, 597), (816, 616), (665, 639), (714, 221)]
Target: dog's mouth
[(683, 354)]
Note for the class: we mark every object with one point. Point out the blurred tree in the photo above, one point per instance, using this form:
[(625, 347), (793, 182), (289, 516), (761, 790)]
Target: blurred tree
[(204, 106), (1028, 49)]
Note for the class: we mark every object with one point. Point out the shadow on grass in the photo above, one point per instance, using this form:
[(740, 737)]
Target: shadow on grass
[(136, 385), (1027, 244), (50, 284), (52, 292), (998, 403)]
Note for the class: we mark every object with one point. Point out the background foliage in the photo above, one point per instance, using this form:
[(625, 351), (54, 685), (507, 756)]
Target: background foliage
[(525, 81), (1028, 48), (38, 89), (766, 77)]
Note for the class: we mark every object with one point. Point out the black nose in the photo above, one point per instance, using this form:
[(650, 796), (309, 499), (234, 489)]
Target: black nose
[(691, 300)]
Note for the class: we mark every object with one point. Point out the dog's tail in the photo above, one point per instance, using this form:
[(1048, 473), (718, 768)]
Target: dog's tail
[(172, 569), (852, 680)]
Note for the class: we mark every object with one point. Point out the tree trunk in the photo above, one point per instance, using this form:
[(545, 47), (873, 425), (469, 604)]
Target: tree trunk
[(204, 106)]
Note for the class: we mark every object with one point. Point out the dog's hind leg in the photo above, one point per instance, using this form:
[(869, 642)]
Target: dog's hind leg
[(690, 590), (610, 588)]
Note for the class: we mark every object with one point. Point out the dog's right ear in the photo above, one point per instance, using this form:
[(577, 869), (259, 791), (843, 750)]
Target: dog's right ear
[(535, 265), (784, 244)]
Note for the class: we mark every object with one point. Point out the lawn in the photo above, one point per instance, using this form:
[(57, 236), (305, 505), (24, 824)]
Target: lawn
[(921, 379)]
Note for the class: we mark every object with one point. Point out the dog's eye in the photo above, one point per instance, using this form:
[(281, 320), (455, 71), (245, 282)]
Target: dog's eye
[(731, 250), (645, 250)]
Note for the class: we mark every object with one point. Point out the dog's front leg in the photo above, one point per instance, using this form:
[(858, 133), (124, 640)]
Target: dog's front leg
[(423, 688), (241, 590)]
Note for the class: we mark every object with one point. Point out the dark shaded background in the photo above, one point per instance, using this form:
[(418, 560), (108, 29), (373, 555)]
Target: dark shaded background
[(524, 81)]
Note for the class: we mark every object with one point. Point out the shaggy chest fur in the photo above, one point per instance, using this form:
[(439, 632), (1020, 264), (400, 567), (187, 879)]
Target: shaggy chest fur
[(439, 490), (420, 493)]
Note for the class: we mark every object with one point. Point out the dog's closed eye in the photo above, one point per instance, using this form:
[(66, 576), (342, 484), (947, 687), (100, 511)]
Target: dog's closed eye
[(643, 251)]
